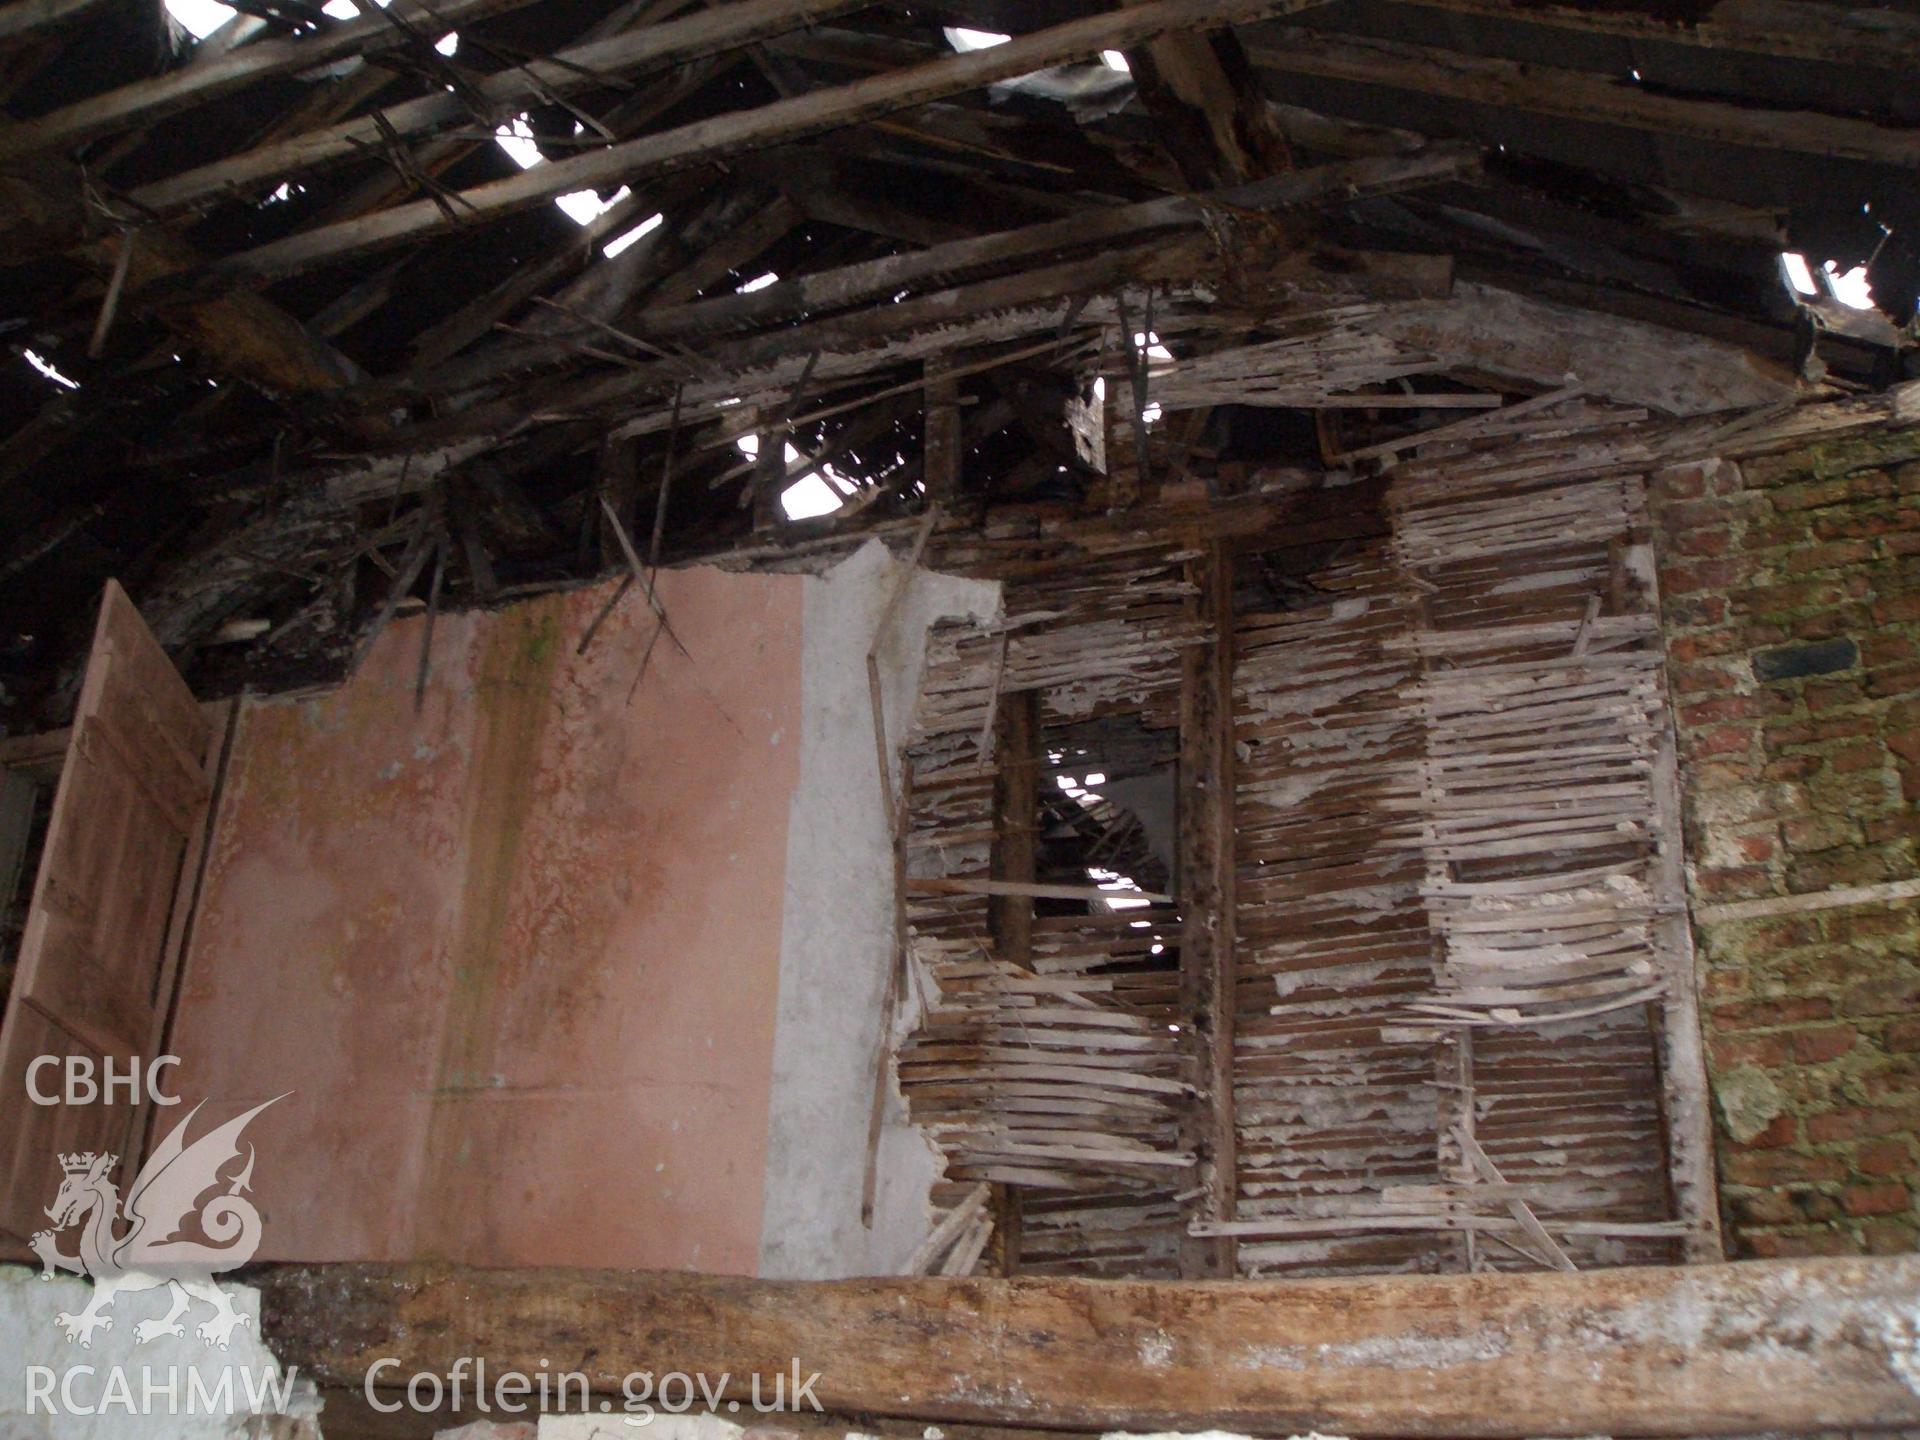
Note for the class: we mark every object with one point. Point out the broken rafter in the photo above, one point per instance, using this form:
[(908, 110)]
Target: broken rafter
[(708, 140), (1792, 29), (881, 279), (595, 63), (147, 100), (1576, 95)]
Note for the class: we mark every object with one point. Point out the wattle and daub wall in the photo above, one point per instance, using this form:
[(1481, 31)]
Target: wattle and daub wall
[(1793, 629)]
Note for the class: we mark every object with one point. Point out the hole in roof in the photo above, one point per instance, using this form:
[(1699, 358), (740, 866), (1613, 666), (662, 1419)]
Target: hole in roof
[(47, 368), (448, 43), (626, 239), (1150, 342), (200, 18), (582, 207), (759, 282), (346, 9), (963, 39), (811, 495), (1114, 60), (1850, 289), (808, 497)]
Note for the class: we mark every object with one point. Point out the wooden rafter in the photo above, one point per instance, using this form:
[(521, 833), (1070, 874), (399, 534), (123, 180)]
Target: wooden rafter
[(708, 140), (1576, 95), (1880, 39), (148, 100), (624, 56)]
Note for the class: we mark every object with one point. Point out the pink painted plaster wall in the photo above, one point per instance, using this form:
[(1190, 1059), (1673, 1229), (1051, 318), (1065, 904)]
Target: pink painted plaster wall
[(517, 956)]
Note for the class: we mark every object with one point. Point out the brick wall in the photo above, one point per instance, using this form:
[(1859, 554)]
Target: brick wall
[(1791, 597)]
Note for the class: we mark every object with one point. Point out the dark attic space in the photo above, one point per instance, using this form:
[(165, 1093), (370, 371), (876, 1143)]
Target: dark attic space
[(802, 720)]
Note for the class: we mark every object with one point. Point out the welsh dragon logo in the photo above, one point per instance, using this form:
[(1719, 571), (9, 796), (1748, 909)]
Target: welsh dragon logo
[(149, 1254)]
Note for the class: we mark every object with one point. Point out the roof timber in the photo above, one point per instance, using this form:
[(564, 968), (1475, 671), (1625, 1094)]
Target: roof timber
[(1208, 107), (1791, 29), (23, 16), (1784, 1346), (783, 120), (829, 290), (635, 52), (1576, 95), (181, 89)]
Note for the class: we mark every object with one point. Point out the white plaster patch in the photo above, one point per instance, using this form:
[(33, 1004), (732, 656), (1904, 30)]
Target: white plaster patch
[(29, 1337), (1385, 1352), (661, 1426), (1901, 1331), (1156, 1349), (836, 940)]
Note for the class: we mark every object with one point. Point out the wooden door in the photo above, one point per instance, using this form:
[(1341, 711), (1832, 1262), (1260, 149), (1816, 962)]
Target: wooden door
[(96, 960)]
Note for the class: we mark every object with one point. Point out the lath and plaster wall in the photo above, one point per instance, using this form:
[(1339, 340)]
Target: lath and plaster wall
[(526, 959), (1792, 602)]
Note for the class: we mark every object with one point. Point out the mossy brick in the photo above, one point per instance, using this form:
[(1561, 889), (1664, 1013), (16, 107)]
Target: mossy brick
[(1897, 609), (1810, 834), (1828, 624), (1767, 1168), (1859, 522), (1677, 482), (1702, 645), (1892, 1156), (1765, 1014), (1820, 1043), (1791, 597), (1797, 1244), (1879, 447), (1692, 610), (1838, 490), (1823, 695), (1888, 1235), (1885, 1198), (1886, 994), (1838, 869), (1893, 682), (1888, 647), (1861, 1123)]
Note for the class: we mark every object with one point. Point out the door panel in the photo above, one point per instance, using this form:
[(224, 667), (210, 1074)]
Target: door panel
[(94, 976)]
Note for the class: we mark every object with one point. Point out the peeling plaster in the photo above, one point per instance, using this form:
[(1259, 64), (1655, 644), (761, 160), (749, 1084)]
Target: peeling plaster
[(837, 935)]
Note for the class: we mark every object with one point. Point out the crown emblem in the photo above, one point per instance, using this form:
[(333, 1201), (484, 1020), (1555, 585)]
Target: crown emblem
[(83, 1161)]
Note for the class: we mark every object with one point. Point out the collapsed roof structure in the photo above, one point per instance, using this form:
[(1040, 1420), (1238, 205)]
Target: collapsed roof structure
[(324, 304), (1228, 686)]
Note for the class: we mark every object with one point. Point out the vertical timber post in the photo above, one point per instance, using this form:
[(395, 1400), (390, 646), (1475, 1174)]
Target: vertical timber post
[(1206, 889), (941, 468), (1016, 829)]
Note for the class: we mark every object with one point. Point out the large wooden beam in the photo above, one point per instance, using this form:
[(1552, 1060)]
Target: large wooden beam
[(147, 100), (1576, 95), (1880, 39), (743, 130), (648, 48), (1777, 1346), (876, 280)]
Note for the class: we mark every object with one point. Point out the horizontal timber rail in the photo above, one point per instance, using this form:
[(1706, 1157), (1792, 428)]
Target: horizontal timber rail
[(1781, 1346)]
